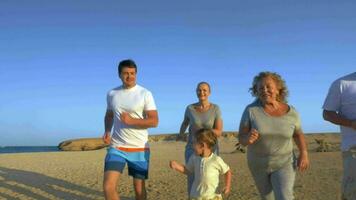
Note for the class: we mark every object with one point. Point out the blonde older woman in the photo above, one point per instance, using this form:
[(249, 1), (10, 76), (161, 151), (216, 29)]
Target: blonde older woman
[(268, 127)]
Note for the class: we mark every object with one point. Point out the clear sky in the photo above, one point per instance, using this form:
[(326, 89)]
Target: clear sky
[(58, 59)]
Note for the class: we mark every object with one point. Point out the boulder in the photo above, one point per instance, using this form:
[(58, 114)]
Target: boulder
[(240, 147), (84, 144), (323, 145)]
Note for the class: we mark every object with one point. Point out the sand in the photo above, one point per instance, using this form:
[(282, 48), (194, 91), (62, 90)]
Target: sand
[(79, 175)]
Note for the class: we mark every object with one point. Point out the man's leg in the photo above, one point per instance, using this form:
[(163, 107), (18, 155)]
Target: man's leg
[(138, 164), (140, 189), (110, 184), (114, 166), (349, 176)]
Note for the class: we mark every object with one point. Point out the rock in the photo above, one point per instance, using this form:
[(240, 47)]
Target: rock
[(229, 135), (240, 147), (164, 137), (323, 145), (84, 144)]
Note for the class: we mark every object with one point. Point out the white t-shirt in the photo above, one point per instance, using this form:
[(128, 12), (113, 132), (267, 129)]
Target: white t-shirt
[(134, 101), (206, 175), (342, 99)]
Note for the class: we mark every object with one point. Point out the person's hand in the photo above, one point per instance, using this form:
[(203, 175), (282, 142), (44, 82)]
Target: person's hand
[(107, 138), (253, 136), (226, 191), (353, 124), (126, 118), (173, 164), (303, 162)]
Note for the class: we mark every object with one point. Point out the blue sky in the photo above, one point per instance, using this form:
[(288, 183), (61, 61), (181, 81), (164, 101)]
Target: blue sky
[(58, 59)]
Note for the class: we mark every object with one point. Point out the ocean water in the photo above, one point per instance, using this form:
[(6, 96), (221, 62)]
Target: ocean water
[(27, 149)]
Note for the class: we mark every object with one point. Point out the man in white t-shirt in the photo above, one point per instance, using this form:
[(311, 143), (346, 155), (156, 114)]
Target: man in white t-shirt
[(340, 108), (131, 110)]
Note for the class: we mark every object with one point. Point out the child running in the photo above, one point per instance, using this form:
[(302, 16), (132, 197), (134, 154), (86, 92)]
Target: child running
[(206, 167)]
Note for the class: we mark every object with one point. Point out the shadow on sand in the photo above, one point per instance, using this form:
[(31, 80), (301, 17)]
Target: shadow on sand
[(19, 184)]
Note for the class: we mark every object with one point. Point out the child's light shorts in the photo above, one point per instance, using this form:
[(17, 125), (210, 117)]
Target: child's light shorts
[(217, 197)]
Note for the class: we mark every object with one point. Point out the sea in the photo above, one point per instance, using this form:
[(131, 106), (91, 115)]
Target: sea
[(27, 149)]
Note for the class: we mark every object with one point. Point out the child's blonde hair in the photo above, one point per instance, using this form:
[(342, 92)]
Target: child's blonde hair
[(207, 136)]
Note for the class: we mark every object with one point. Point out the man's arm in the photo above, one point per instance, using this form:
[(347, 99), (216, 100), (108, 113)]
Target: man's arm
[(337, 119), (150, 120), (108, 122)]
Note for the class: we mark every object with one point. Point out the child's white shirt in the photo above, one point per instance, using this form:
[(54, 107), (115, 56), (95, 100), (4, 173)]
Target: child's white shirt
[(206, 175)]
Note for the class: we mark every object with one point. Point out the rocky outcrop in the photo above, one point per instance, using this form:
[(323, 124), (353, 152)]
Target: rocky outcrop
[(240, 147), (173, 137), (84, 144), (163, 137)]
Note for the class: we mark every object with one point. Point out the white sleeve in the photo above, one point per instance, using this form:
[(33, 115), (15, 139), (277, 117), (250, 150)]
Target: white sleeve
[(223, 166), (108, 101), (149, 102), (333, 99)]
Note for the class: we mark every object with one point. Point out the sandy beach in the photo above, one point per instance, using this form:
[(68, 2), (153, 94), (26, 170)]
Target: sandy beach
[(79, 175)]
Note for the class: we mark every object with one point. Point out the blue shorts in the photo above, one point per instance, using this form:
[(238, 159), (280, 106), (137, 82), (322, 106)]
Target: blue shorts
[(137, 160)]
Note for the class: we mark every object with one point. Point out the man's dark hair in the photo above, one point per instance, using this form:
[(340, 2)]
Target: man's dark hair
[(126, 63)]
